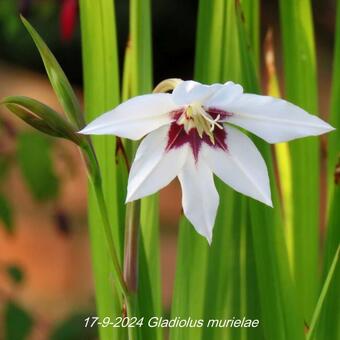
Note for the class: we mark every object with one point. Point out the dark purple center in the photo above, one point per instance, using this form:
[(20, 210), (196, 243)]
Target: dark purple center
[(178, 136)]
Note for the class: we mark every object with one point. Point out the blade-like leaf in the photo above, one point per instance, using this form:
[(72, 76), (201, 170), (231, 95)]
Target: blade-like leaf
[(329, 326), (323, 294), (101, 86), (59, 82), (279, 309), (301, 89), (334, 137), (281, 150), (188, 296), (138, 80)]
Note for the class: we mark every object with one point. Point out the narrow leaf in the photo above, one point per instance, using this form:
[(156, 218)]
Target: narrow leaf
[(323, 294), (138, 80), (279, 309), (334, 137), (301, 89), (329, 326), (59, 82), (101, 90)]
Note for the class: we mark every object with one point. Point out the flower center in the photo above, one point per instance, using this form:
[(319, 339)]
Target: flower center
[(195, 116)]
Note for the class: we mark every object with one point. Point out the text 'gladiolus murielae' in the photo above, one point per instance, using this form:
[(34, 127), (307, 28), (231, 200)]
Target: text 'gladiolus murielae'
[(190, 133)]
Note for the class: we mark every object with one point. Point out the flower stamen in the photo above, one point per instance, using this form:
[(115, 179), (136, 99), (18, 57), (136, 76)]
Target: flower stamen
[(194, 116)]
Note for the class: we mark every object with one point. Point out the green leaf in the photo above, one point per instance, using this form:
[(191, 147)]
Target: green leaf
[(59, 81), (329, 326), (209, 37), (15, 273), (149, 287), (35, 161), (138, 80), (141, 48), (188, 296), (6, 214), (322, 297), (280, 315), (251, 17), (73, 328), (101, 87), (334, 137), (18, 323), (301, 89)]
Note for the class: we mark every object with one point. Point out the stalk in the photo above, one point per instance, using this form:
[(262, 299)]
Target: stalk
[(131, 245), (96, 181)]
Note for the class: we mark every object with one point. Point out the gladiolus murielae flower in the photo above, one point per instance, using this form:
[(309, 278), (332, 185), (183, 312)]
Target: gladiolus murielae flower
[(192, 133)]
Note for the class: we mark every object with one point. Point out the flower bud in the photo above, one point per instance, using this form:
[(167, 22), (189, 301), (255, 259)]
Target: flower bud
[(42, 118)]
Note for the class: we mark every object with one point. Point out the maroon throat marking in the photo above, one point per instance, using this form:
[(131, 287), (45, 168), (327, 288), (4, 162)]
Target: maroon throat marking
[(178, 136)]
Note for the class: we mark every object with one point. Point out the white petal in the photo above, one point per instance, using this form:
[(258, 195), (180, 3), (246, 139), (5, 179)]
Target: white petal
[(224, 96), (199, 196), (134, 118), (241, 166), (153, 168), (190, 91), (275, 120)]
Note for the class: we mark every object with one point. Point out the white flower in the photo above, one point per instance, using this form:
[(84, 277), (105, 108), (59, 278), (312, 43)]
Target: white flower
[(191, 134)]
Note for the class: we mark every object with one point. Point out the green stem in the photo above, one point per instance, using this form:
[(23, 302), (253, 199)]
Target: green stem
[(131, 245), (94, 173), (131, 310), (112, 249), (132, 227)]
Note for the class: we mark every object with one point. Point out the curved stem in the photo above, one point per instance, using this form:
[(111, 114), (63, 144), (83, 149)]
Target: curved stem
[(94, 173), (112, 249)]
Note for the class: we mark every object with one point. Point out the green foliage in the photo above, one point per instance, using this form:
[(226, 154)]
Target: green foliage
[(6, 214), (301, 89), (101, 90), (34, 155), (18, 323), (334, 137), (329, 280), (329, 327), (59, 81), (138, 80), (16, 274)]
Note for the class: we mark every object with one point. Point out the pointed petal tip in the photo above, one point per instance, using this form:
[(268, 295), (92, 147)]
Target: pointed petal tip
[(129, 198), (133, 196), (269, 203), (330, 128), (85, 131), (207, 233), (267, 200)]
